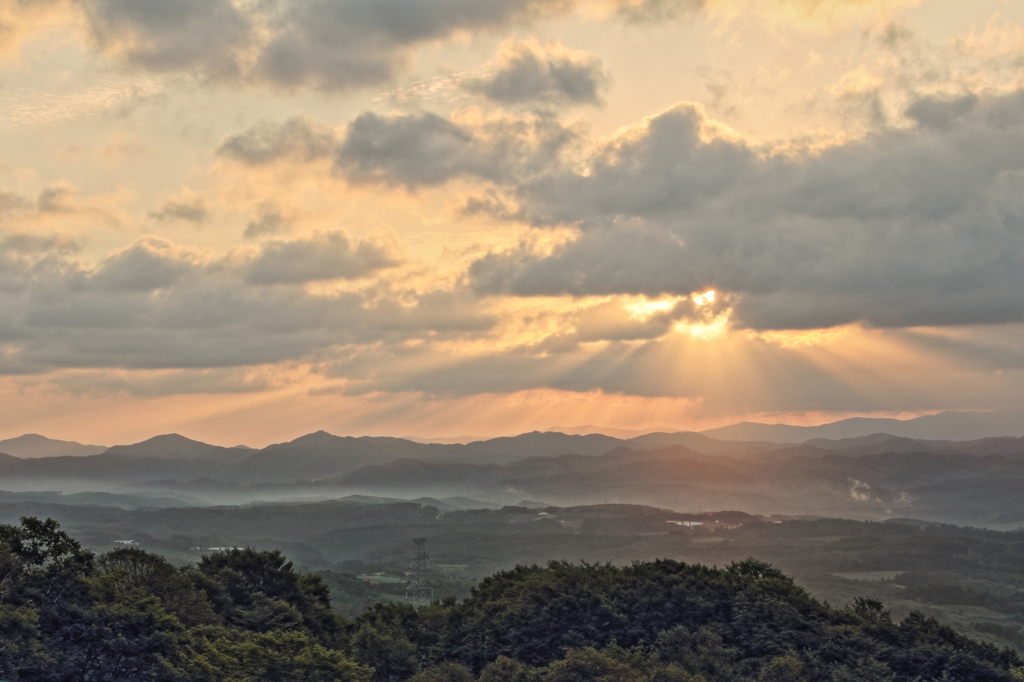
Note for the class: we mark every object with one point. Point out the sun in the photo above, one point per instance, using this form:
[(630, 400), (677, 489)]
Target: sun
[(706, 298)]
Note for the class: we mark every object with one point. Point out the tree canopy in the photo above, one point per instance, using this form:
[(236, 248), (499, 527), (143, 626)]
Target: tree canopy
[(246, 615)]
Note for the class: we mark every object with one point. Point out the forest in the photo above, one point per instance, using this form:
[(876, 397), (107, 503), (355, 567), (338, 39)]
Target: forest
[(244, 615)]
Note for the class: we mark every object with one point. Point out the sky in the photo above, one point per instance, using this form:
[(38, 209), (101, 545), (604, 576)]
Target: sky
[(245, 220)]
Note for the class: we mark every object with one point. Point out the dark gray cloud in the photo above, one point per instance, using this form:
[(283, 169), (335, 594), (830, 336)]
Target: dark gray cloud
[(196, 36), (941, 113), (641, 11), (268, 221), (191, 210), (149, 264), (323, 44), (418, 149), (904, 227), (424, 149), (667, 168), (918, 225), (528, 72), (24, 256), (298, 138), (338, 44), (155, 305), (31, 244), (330, 255), (630, 260), (332, 45)]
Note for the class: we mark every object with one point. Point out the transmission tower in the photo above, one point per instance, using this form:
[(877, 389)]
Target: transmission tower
[(419, 590)]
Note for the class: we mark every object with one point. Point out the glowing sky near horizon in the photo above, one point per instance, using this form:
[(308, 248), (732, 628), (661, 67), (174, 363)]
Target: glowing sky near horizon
[(245, 221)]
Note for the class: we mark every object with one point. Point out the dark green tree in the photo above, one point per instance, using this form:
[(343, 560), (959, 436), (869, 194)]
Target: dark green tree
[(261, 592), (277, 657)]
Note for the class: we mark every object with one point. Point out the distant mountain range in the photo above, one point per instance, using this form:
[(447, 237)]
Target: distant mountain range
[(942, 426), (34, 445), (952, 426), (873, 476), (976, 482), (173, 446), (311, 457)]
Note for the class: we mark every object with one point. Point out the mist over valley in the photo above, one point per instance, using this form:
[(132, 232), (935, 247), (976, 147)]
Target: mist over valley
[(869, 514)]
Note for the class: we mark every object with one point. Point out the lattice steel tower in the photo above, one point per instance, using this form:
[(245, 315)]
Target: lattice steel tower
[(419, 589)]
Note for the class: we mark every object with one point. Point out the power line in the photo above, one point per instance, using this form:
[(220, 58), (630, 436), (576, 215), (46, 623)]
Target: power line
[(419, 590)]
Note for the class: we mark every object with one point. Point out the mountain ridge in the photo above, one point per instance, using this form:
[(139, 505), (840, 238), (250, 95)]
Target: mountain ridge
[(33, 445), (951, 425)]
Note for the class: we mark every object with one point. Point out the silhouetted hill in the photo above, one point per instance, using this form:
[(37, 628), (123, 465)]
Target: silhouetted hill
[(311, 457), (34, 445), (174, 446), (107, 468), (881, 443), (699, 442), (1006, 445), (943, 426), (874, 476), (536, 444), (857, 442), (322, 455)]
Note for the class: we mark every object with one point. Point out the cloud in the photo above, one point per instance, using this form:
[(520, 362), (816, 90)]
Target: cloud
[(636, 260), (414, 150), (904, 227), (528, 71), (56, 199), (150, 263), (326, 256), (638, 11), (916, 225), (23, 256), (671, 163), (58, 203), (158, 305), (268, 221), (338, 45), (417, 149), (738, 373), (206, 37), (159, 319), (919, 224), (297, 138), (154, 384), (321, 44), (190, 210), (940, 112), (12, 203)]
